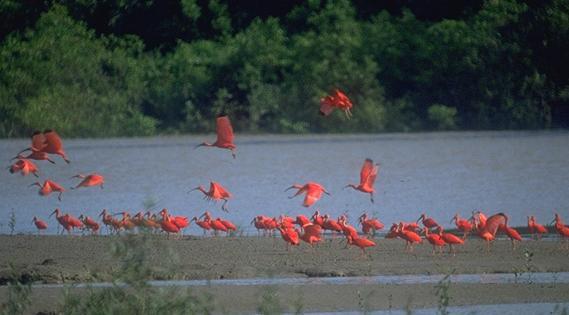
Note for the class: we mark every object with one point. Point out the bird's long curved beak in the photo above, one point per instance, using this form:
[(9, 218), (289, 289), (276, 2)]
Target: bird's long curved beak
[(34, 184), (199, 145), (252, 221), (193, 189), (52, 214), (291, 187)]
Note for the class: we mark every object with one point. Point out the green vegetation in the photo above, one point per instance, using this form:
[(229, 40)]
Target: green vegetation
[(124, 68)]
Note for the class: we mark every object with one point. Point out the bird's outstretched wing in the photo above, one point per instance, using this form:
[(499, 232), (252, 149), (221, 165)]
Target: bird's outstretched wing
[(366, 171), (494, 222), (54, 143), (38, 141), (326, 105), (224, 130)]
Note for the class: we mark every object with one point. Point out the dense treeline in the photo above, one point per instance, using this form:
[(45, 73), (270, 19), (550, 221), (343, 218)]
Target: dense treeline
[(126, 67)]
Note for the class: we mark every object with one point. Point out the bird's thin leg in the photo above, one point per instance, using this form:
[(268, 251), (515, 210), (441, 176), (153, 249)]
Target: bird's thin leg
[(223, 207), (371, 197)]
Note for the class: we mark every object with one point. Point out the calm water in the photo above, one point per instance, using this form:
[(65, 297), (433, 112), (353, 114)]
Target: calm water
[(520, 173)]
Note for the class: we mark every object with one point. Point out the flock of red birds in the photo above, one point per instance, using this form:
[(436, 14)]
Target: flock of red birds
[(308, 230)]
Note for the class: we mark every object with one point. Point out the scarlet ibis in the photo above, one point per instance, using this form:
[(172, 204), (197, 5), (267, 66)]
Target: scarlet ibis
[(336, 100), (462, 225), (40, 224), (368, 174), (216, 192), (25, 167), (312, 234), (410, 237), (370, 225), (48, 142), (428, 222), (89, 223), (435, 240), (90, 180), (205, 224), (450, 239), (289, 235), (54, 145), (48, 187), (360, 242), (224, 135), (313, 192), (535, 228)]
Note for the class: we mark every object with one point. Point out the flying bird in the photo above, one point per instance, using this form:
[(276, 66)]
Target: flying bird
[(336, 100), (368, 174), (48, 187), (224, 136), (89, 180), (216, 192), (25, 167), (313, 192)]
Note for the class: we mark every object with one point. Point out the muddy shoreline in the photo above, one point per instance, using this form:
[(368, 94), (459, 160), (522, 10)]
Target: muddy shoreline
[(78, 259), (72, 259)]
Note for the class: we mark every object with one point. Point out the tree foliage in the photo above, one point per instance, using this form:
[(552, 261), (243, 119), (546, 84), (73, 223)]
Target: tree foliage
[(122, 67)]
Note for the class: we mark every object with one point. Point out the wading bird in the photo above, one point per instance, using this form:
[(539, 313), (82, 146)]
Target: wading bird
[(40, 224), (25, 167), (463, 225), (48, 142), (535, 228), (216, 192), (429, 223), (312, 234), (410, 237), (336, 100), (204, 225), (289, 235), (369, 226), (450, 239), (368, 174), (313, 192), (89, 180), (435, 239), (90, 224), (48, 187), (224, 135), (561, 229), (360, 242), (67, 221)]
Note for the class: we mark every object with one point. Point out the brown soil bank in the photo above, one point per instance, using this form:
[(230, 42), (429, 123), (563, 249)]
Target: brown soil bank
[(57, 259)]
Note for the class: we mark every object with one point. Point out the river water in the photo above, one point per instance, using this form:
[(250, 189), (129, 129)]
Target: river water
[(519, 173)]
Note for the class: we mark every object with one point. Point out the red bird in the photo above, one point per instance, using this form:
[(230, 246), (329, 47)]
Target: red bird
[(180, 221), (89, 223), (289, 235), (450, 239), (435, 239), (337, 100), (369, 226), (313, 192), (317, 218), (204, 225), (48, 142), (216, 192), (312, 234), (462, 225), (301, 220), (368, 174), (535, 228), (361, 242), (217, 225), (228, 225), (54, 145), (48, 187), (68, 221), (410, 237), (428, 222), (167, 224), (24, 166), (89, 180), (40, 224), (224, 135)]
